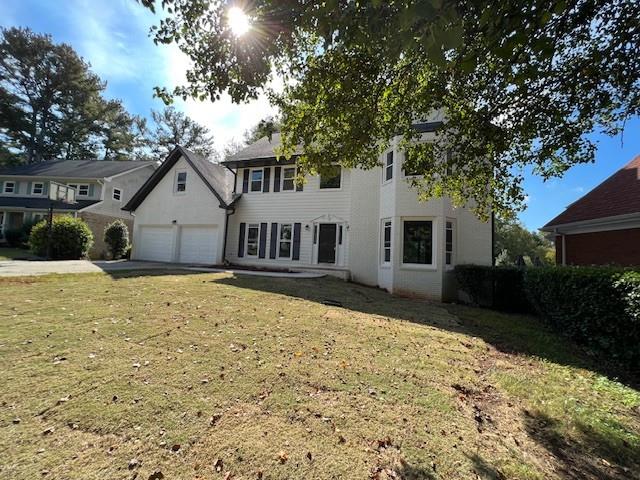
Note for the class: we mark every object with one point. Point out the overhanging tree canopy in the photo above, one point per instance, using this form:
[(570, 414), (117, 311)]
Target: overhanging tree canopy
[(521, 83)]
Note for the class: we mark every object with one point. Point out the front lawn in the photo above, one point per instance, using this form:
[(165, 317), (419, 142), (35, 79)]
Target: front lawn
[(213, 376)]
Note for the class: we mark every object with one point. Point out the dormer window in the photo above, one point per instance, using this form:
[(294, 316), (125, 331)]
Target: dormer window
[(37, 188), (181, 182), (9, 187)]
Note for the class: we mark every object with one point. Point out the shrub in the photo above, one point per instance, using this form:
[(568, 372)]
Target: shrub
[(71, 238), (501, 288), (116, 236), (19, 237), (596, 306)]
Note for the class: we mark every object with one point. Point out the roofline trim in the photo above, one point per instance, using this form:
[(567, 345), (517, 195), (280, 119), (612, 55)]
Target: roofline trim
[(622, 220)]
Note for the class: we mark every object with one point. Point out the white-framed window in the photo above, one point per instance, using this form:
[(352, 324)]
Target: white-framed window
[(332, 179), (37, 188), (284, 240), (388, 167), (9, 187), (255, 180), (253, 234), (83, 190), (386, 241), (181, 182), (117, 194), (449, 242), (288, 179), (418, 242)]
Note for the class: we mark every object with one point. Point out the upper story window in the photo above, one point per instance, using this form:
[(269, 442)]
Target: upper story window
[(331, 179), (388, 167), (289, 179), (253, 232), (417, 242), (37, 188), (255, 180), (117, 194), (82, 190), (386, 241), (9, 187), (181, 182), (448, 242)]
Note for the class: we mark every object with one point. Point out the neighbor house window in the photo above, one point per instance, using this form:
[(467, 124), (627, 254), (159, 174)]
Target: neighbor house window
[(37, 188), (332, 178), (386, 241), (256, 180), (181, 182), (9, 187), (388, 167), (448, 242), (284, 246), (417, 242), (252, 240), (117, 194), (81, 190), (289, 179)]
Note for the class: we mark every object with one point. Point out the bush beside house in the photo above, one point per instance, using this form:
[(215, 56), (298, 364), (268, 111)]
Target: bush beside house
[(598, 307), (71, 238), (19, 237), (116, 236)]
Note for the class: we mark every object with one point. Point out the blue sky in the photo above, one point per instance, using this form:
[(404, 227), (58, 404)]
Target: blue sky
[(112, 35)]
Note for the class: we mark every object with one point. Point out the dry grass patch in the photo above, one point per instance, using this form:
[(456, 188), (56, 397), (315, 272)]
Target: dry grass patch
[(214, 376)]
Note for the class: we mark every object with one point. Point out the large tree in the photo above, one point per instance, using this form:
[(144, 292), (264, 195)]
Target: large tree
[(521, 84), (513, 240), (172, 127)]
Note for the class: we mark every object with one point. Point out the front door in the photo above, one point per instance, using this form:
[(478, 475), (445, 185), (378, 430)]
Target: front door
[(327, 243)]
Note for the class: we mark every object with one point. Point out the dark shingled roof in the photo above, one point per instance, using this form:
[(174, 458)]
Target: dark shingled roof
[(218, 178), (44, 203), (617, 195), (261, 151), (73, 169)]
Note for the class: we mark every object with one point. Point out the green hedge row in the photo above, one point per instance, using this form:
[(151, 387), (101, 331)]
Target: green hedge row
[(598, 307)]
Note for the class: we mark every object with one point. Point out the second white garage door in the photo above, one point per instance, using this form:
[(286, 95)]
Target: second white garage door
[(198, 245), (156, 244)]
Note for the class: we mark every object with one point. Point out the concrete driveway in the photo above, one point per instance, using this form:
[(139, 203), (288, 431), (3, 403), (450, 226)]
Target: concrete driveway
[(20, 268)]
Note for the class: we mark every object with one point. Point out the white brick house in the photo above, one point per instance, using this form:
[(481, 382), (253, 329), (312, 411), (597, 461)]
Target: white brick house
[(364, 225)]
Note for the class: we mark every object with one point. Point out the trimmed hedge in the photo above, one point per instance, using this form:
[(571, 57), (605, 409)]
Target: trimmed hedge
[(596, 306), (71, 238), (501, 288), (116, 236)]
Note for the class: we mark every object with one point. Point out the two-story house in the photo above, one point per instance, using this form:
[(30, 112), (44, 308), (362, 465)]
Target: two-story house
[(102, 188), (364, 225)]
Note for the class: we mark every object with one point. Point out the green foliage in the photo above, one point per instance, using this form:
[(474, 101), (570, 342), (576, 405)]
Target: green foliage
[(520, 84), (116, 236), (71, 238), (19, 237), (513, 240), (501, 288), (172, 128), (596, 306)]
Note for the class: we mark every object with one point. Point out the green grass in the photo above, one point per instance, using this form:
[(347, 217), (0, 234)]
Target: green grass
[(7, 253), (258, 376)]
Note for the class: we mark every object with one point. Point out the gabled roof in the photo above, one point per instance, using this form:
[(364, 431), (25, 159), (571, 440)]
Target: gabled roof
[(44, 203), (74, 169), (617, 195), (216, 177), (262, 151)]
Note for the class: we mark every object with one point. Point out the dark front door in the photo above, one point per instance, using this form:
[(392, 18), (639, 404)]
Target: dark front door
[(327, 243)]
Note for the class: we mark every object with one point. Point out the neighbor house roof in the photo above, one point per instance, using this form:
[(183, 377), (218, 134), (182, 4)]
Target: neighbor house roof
[(44, 203), (617, 195), (216, 177), (74, 169), (263, 151)]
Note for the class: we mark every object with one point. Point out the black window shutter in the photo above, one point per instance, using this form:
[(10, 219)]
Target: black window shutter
[(262, 250), (276, 179), (265, 182), (243, 227), (274, 240), (296, 241), (245, 181)]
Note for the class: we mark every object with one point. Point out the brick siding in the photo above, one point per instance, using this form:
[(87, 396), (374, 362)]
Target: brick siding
[(614, 247), (97, 224)]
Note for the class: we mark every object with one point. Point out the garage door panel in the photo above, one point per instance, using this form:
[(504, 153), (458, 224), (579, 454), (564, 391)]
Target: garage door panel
[(156, 244), (198, 245)]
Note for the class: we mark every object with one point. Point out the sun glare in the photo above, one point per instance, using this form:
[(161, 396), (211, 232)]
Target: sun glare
[(238, 21)]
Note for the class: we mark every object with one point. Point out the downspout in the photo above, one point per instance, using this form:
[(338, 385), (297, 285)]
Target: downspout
[(230, 211)]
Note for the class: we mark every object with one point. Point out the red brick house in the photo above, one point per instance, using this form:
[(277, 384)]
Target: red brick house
[(603, 227)]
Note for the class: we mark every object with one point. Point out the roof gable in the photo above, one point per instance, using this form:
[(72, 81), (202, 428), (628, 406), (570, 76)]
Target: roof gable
[(617, 195), (215, 177), (74, 169)]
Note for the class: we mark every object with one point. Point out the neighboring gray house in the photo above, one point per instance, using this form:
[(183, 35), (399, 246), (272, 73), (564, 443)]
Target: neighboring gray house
[(102, 188)]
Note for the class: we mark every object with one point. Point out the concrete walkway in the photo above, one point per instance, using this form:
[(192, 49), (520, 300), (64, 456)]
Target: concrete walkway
[(21, 268)]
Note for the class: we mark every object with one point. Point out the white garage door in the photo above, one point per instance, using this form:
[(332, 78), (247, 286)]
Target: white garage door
[(198, 245), (156, 244)]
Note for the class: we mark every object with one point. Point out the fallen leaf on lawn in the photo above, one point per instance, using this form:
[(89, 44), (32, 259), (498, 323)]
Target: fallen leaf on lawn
[(341, 439), (228, 476), (136, 365), (133, 463), (175, 447), (298, 354), (283, 456), (309, 456), (218, 465)]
